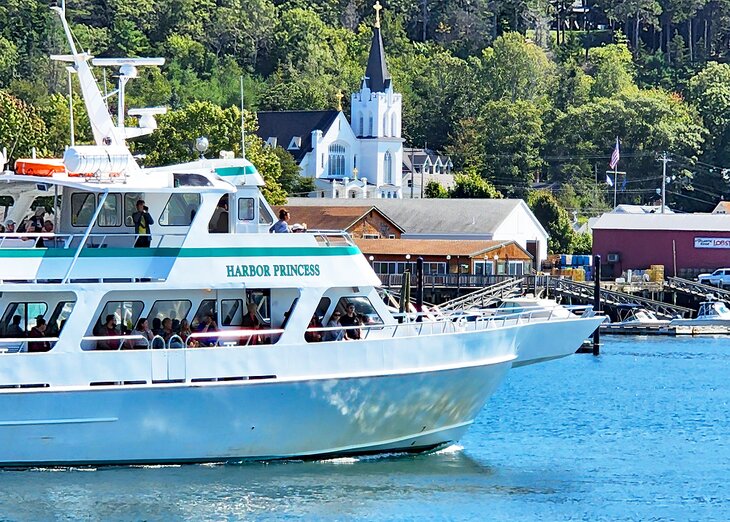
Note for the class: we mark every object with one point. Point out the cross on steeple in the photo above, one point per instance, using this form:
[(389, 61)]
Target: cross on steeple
[(377, 8), (339, 97)]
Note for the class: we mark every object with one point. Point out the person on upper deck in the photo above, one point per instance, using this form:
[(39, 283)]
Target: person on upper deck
[(142, 221), (14, 330), (38, 331), (281, 226), (10, 226)]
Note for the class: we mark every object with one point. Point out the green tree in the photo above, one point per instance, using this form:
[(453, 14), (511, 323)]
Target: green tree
[(177, 131), (469, 184), (435, 190), (513, 69), (554, 219), (613, 70), (21, 128)]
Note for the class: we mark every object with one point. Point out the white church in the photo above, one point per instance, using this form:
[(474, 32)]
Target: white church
[(362, 158)]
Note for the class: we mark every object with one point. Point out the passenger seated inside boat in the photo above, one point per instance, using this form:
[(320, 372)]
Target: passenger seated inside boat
[(207, 326), (250, 321), (109, 328), (351, 319), (143, 329), (185, 331), (38, 331), (311, 335), (334, 322), (14, 330)]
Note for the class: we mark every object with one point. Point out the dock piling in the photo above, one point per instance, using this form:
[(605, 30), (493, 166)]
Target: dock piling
[(597, 301)]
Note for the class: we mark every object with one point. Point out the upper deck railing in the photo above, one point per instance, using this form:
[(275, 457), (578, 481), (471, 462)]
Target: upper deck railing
[(71, 241)]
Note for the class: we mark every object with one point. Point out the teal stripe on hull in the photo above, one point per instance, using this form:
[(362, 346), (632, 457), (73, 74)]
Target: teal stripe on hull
[(52, 253)]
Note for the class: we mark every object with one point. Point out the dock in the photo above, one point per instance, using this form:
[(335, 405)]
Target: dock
[(620, 329)]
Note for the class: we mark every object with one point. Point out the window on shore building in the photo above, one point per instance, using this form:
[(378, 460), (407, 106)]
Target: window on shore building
[(336, 167)]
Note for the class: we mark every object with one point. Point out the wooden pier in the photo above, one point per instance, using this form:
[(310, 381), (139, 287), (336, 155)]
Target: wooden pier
[(622, 329)]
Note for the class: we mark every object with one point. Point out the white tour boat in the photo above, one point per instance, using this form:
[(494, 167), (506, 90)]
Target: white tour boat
[(249, 378)]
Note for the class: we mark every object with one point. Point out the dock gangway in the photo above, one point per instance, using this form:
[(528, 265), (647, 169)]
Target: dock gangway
[(693, 288), (584, 292), (487, 295)]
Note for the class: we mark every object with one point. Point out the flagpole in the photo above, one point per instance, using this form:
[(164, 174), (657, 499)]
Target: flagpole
[(615, 184)]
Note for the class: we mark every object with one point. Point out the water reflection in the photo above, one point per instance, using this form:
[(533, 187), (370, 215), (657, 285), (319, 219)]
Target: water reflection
[(336, 487)]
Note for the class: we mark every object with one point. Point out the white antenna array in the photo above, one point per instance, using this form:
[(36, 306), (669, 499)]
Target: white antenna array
[(128, 71)]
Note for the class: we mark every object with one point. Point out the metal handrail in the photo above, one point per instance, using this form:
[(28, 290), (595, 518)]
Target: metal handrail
[(121, 338), (21, 340)]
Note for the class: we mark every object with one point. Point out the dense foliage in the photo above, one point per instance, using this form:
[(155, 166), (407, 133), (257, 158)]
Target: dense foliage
[(516, 92)]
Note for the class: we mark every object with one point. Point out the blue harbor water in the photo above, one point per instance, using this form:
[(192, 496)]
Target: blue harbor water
[(640, 433)]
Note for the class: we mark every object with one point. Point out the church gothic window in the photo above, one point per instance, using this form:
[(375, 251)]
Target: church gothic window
[(371, 127), (393, 125), (388, 168), (361, 125), (385, 125), (337, 160)]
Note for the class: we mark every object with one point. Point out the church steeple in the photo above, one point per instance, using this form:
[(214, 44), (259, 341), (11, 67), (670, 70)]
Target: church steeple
[(376, 73)]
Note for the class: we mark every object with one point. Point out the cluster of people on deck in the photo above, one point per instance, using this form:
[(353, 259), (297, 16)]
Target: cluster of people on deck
[(167, 331), (15, 331), (340, 326), (34, 224)]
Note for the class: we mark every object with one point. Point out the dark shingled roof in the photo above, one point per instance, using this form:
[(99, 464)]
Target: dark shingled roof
[(284, 125), (378, 77)]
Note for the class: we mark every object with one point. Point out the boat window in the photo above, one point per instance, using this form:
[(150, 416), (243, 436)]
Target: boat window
[(265, 217), (59, 317), (190, 180), (27, 313), (245, 209), (363, 309), (207, 307), (126, 312), (322, 307), (177, 310), (109, 215), (180, 210), (231, 312), (83, 205), (130, 207)]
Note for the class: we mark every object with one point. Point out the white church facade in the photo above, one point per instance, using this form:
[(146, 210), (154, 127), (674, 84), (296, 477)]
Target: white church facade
[(360, 158)]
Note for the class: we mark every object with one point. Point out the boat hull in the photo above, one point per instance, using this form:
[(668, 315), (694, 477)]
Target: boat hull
[(246, 420)]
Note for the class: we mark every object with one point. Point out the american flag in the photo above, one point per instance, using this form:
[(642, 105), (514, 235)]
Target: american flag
[(615, 156)]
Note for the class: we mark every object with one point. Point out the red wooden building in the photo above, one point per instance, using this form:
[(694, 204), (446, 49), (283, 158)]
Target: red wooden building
[(686, 244)]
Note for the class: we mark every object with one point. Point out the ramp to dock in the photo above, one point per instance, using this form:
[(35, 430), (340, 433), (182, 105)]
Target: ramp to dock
[(584, 292), (487, 295), (696, 289)]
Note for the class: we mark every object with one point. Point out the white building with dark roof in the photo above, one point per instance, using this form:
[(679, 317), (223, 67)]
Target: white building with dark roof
[(360, 158), (457, 219)]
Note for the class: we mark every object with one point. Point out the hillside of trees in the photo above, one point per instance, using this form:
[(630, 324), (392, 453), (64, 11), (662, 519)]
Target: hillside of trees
[(516, 91)]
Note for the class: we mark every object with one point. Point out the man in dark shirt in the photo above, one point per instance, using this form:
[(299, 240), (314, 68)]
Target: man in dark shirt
[(14, 330), (39, 331), (351, 319), (142, 221)]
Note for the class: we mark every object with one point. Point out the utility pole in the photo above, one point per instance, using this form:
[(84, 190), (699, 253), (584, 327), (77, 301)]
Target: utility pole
[(664, 159)]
